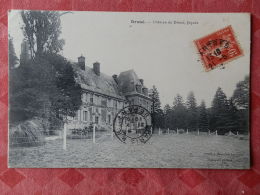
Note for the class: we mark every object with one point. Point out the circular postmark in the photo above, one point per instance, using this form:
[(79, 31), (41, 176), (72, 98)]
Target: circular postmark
[(132, 124)]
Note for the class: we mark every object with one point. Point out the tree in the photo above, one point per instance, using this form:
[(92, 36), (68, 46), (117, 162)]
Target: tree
[(192, 114), (203, 120), (219, 112), (157, 113), (45, 88), (240, 96), (232, 123), (42, 30), (179, 113), (29, 86), (167, 116), (240, 100), (13, 60), (68, 95)]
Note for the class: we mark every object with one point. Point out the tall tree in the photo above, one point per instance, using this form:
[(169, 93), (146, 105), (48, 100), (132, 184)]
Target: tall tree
[(68, 94), (241, 94), (167, 116), (157, 113), (232, 123), (219, 112), (179, 113), (203, 120), (42, 30), (45, 88), (13, 60), (192, 114), (240, 99)]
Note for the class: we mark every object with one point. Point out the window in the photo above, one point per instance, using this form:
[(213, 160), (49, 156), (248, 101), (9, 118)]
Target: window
[(91, 98), (83, 97), (90, 114), (109, 119), (76, 116), (103, 115), (79, 115), (96, 119), (104, 102), (115, 104), (85, 115)]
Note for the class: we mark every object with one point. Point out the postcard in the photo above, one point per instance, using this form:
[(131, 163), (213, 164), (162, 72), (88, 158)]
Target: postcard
[(128, 89)]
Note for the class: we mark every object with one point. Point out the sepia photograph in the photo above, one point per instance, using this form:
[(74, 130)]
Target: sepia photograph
[(128, 90)]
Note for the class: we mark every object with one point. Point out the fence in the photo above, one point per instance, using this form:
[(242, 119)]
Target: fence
[(177, 131), (30, 135)]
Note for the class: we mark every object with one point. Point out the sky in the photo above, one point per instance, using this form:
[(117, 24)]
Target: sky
[(163, 55)]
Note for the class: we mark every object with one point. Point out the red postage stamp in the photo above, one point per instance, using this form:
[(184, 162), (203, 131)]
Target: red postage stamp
[(218, 48)]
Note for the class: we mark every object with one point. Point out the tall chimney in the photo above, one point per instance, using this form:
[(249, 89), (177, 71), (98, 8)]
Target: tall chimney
[(81, 62), (96, 68)]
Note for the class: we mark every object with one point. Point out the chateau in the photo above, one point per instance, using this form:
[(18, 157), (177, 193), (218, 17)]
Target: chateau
[(103, 96)]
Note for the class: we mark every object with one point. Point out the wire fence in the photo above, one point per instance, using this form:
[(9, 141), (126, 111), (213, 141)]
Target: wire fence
[(161, 131), (36, 137)]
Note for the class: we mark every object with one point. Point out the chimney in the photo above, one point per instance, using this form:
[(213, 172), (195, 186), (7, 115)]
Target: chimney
[(96, 68), (81, 62), (141, 81), (115, 78)]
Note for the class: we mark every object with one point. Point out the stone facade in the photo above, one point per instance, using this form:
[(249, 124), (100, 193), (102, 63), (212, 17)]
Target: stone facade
[(103, 96)]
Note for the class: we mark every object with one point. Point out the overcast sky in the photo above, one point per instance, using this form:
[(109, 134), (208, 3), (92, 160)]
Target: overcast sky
[(162, 54)]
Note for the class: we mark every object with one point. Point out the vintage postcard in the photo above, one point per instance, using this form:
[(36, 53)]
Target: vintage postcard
[(121, 89)]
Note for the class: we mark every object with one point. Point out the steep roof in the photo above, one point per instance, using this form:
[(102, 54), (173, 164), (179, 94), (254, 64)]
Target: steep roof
[(127, 81), (102, 84)]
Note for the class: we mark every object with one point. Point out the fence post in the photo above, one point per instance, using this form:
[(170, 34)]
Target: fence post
[(208, 131), (65, 136), (229, 132), (94, 133), (216, 132), (112, 133), (168, 131), (159, 131), (198, 131), (187, 132), (177, 131), (237, 132)]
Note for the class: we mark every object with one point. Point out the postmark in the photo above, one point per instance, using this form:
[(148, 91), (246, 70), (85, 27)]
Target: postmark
[(218, 48), (132, 124)]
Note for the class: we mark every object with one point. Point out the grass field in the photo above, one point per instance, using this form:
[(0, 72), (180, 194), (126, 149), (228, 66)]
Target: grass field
[(169, 151)]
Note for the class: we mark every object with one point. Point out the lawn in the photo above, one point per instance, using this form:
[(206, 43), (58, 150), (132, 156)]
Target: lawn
[(170, 151)]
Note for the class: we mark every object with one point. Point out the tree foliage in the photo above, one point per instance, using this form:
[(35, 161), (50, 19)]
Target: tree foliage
[(224, 115), (203, 118), (219, 111), (192, 115), (45, 87), (42, 30), (12, 58), (157, 112), (240, 96), (179, 112)]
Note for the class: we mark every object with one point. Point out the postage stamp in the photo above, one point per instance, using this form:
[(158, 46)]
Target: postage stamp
[(132, 124), (218, 48)]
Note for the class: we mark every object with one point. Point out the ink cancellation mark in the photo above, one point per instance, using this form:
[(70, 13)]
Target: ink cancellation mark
[(218, 48), (132, 124)]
